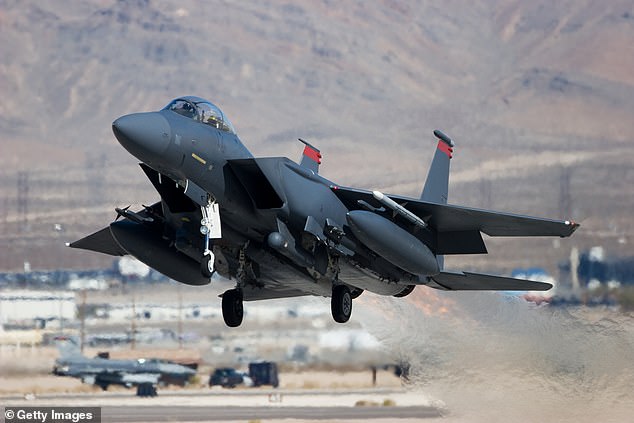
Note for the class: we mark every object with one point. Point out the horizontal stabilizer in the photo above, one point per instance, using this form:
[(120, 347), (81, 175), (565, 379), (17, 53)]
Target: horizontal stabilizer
[(466, 281)]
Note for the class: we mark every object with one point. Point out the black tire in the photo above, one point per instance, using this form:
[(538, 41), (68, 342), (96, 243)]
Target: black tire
[(232, 309), (341, 304), (205, 265)]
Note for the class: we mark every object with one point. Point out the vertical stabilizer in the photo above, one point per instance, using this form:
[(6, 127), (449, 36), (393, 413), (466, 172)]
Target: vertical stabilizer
[(311, 157), (436, 187), (437, 184), (68, 347)]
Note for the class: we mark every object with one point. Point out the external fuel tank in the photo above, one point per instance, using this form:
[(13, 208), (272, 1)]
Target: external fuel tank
[(392, 242)]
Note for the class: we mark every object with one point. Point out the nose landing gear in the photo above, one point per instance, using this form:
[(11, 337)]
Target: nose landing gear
[(211, 229), (207, 264)]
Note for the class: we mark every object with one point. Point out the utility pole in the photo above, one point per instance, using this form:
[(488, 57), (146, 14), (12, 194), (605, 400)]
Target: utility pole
[(23, 199), (82, 321), (133, 324), (4, 210), (180, 318)]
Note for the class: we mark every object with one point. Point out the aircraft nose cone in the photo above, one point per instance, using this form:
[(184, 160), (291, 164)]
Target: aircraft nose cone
[(145, 135)]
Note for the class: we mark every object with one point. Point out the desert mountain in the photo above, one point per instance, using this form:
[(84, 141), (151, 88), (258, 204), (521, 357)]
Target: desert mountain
[(537, 96)]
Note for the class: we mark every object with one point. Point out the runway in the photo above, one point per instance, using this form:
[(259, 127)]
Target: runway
[(244, 405), (215, 413)]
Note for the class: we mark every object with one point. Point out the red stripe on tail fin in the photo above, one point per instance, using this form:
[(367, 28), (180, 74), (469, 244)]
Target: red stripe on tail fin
[(312, 154), (442, 146)]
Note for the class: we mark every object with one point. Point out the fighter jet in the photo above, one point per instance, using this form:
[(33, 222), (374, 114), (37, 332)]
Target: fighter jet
[(145, 374), (280, 229)]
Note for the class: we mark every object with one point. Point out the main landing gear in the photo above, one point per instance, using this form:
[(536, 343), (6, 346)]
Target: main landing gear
[(232, 309), (341, 303)]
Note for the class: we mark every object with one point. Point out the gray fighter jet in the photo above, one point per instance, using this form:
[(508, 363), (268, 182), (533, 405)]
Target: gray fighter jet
[(279, 229), (145, 374)]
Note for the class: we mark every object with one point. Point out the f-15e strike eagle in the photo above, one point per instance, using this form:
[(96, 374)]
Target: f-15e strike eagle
[(279, 229)]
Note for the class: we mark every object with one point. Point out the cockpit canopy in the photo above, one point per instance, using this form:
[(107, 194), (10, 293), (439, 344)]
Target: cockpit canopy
[(202, 111)]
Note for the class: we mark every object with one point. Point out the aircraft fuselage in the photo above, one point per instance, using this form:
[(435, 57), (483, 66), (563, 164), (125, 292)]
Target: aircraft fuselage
[(217, 162)]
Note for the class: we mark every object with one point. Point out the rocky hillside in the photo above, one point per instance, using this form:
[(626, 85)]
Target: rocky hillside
[(538, 97)]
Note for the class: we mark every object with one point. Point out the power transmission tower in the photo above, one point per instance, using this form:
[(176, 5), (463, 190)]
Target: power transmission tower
[(565, 201)]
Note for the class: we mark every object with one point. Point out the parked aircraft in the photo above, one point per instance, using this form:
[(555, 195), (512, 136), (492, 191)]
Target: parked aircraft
[(280, 229), (143, 373)]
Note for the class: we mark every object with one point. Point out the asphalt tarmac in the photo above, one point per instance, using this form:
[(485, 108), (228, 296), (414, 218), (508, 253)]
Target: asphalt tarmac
[(215, 413), (244, 405)]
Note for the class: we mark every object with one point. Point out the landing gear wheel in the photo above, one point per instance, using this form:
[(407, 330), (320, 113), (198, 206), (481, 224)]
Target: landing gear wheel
[(341, 303), (207, 265), (232, 310)]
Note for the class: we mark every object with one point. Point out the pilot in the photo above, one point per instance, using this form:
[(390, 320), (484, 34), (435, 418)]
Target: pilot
[(188, 110)]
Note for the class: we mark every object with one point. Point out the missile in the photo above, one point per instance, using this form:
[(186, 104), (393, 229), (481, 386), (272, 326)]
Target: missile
[(135, 217), (388, 202), (392, 242)]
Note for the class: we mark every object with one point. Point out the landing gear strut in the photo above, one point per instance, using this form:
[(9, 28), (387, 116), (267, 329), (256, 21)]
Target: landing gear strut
[(341, 303), (210, 228), (232, 309)]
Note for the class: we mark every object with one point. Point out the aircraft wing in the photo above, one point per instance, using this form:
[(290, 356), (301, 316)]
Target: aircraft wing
[(101, 241), (450, 218), (466, 281)]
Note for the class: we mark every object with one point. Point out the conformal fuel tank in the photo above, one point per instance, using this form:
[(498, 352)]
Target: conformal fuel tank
[(154, 251), (393, 243)]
